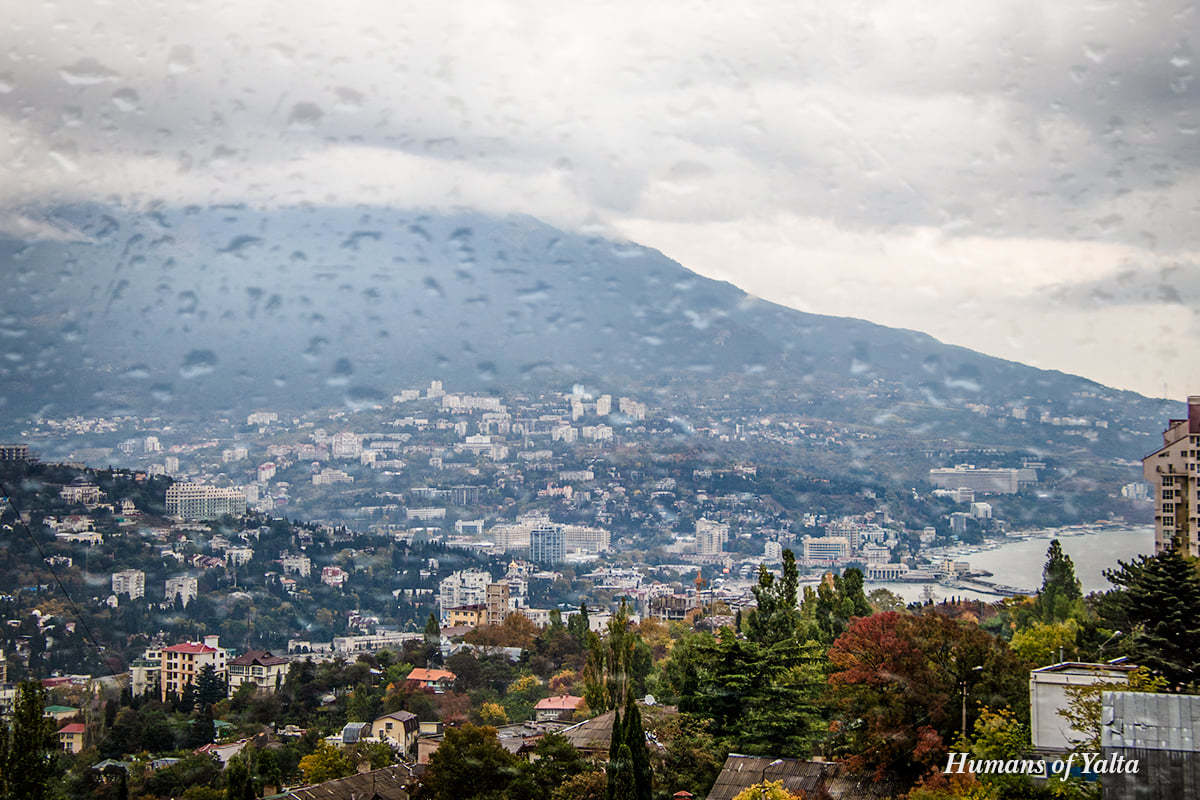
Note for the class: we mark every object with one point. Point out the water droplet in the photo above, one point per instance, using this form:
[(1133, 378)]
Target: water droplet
[(305, 115), (197, 363), (180, 60), (348, 99), (239, 243), (86, 72), (126, 100)]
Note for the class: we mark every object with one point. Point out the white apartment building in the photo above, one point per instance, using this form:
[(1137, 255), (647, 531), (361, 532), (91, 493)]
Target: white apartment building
[(181, 587), (584, 539), (197, 501), (710, 536), (826, 548), (597, 433), (296, 565), (239, 556), (130, 582), (329, 476), (462, 588), (345, 445)]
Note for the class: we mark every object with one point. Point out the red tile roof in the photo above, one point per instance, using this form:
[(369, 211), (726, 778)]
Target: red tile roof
[(422, 674), (194, 648), (563, 702), (72, 727)]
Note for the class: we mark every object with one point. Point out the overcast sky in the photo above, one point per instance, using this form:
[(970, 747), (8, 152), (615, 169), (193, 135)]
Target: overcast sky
[(1019, 178)]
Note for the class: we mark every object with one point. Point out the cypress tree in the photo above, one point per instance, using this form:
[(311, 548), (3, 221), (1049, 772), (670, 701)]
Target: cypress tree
[(621, 785), (635, 737), (616, 764), (27, 766)]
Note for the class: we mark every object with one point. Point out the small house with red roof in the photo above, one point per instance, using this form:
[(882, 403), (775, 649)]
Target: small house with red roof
[(439, 680), (562, 707), (70, 737)]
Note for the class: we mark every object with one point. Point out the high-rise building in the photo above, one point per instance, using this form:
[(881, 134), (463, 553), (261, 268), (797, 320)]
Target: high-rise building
[(1174, 480), (131, 582), (710, 536), (497, 603), (182, 663), (181, 587), (196, 501), (547, 545)]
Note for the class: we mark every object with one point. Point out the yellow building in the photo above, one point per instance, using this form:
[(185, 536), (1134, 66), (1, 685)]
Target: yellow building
[(472, 616)]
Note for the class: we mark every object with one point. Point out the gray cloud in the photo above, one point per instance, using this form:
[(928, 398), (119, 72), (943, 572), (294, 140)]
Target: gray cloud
[(948, 147)]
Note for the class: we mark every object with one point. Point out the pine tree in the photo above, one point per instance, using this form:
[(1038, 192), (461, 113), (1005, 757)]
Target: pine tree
[(1061, 594), (201, 731), (1158, 604)]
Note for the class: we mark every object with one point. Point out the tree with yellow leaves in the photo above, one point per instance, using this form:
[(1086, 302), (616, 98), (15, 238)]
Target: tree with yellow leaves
[(767, 790)]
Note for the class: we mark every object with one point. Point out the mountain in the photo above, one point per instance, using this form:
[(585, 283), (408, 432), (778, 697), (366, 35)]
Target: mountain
[(222, 309)]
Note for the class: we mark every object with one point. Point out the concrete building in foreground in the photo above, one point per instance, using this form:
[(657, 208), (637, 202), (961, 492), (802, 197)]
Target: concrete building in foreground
[(1048, 695), (1172, 474)]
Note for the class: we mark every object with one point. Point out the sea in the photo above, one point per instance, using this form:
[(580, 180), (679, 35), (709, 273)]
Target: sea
[(1017, 560)]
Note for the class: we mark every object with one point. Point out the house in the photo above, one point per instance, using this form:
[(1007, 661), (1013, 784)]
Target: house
[(352, 733), (437, 679), (517, 738), (389, 783), (592, 737), (61, 713), (223, 752), (259, 667), (471, 616), (824, 779), (399, 729), (563, 706), (70, 737)]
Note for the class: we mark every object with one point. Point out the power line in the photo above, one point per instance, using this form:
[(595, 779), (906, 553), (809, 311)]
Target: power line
[(62, 587)]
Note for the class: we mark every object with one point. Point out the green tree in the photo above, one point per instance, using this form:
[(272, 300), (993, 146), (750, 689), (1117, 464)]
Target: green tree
[(635, 737), (210, 686), (325, 763), (239, 778), (776, 616), (202, 729), (469, 763), (1042, 642), (26, 752), (433, 640), (1157, 604), (617, 665), (1060, 596)]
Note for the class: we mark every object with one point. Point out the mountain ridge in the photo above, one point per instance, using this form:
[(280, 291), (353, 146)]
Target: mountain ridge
[(198, 308)]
